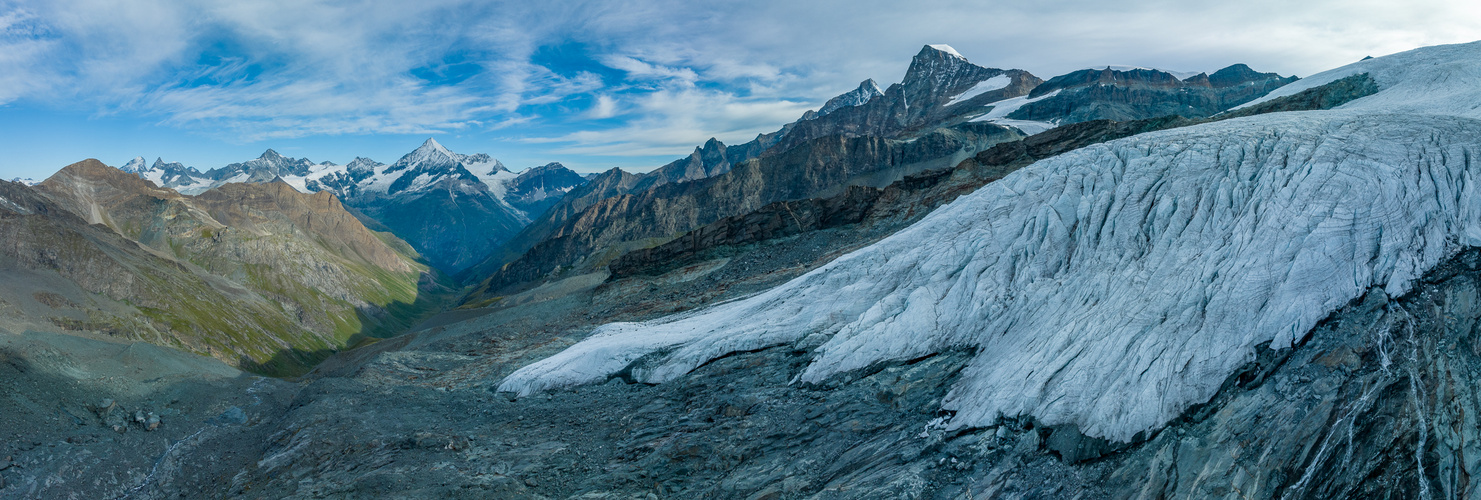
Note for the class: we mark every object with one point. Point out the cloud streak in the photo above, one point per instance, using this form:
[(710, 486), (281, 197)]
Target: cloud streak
[(651, 77)]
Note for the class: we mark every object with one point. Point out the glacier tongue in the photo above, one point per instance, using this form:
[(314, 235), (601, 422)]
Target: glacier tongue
[(1110, 287)]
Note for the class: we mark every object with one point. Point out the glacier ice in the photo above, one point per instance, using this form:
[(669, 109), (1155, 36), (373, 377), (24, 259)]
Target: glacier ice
[(1114, 286)]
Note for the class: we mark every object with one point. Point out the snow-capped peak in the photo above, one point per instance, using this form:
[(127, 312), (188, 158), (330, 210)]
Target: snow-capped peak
[(429, 154), (431, 146), (135, 165), (947, 49)]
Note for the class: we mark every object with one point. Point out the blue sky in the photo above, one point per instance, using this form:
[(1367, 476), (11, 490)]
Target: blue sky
[(593, 85)]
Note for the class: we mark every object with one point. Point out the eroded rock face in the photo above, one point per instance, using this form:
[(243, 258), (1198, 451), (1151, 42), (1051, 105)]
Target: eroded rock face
[(822, 165)]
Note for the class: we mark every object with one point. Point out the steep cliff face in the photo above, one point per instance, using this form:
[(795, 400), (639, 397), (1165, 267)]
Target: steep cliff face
[(884, 209), (316, 269), (823, 166)]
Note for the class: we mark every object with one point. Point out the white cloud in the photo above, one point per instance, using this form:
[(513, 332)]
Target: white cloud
[(640, 70), (605, 106), (299, 68), (674, 121)]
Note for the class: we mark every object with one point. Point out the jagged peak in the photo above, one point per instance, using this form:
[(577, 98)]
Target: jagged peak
[(269, 154), (865, 92)]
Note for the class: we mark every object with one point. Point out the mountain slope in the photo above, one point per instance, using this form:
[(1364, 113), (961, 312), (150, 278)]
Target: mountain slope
[(320, 275), (1141, 272)]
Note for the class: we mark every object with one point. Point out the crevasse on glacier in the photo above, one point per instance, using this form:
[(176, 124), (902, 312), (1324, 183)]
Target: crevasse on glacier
[(1114, 286)]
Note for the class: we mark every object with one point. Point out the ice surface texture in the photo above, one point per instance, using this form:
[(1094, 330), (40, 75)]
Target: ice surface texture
[(1114, 286)]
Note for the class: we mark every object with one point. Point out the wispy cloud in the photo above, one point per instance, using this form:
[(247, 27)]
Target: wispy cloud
[(641, 78), (674, 121)]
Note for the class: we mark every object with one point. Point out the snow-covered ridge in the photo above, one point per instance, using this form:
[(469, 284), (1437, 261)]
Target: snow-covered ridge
[(1444, 79), (1114, 286)]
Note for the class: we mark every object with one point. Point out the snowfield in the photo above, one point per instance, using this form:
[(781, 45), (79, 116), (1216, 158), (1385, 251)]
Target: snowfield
[(1114, 286)]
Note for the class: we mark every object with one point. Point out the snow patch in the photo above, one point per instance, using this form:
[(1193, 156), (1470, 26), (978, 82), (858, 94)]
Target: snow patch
[(1001, 109), (982, 87)]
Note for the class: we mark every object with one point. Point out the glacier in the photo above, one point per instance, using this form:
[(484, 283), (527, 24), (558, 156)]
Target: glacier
[(1115, 286)]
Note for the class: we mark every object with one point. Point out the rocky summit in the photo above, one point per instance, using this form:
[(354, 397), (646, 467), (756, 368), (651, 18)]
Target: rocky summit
[(1119, 282)]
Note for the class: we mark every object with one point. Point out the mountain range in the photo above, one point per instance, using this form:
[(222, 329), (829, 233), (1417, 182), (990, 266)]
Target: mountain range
[(447, 205)]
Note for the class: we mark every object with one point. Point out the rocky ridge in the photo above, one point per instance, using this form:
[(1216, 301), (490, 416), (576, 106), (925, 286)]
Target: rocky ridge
[(924, 105)]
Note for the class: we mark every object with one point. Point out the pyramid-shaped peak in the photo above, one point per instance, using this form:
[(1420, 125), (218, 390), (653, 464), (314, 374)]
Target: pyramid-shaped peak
[(432, 145), (943, 48)]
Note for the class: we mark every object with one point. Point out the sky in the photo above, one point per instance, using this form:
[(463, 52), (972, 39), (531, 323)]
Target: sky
[(593, 85)]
